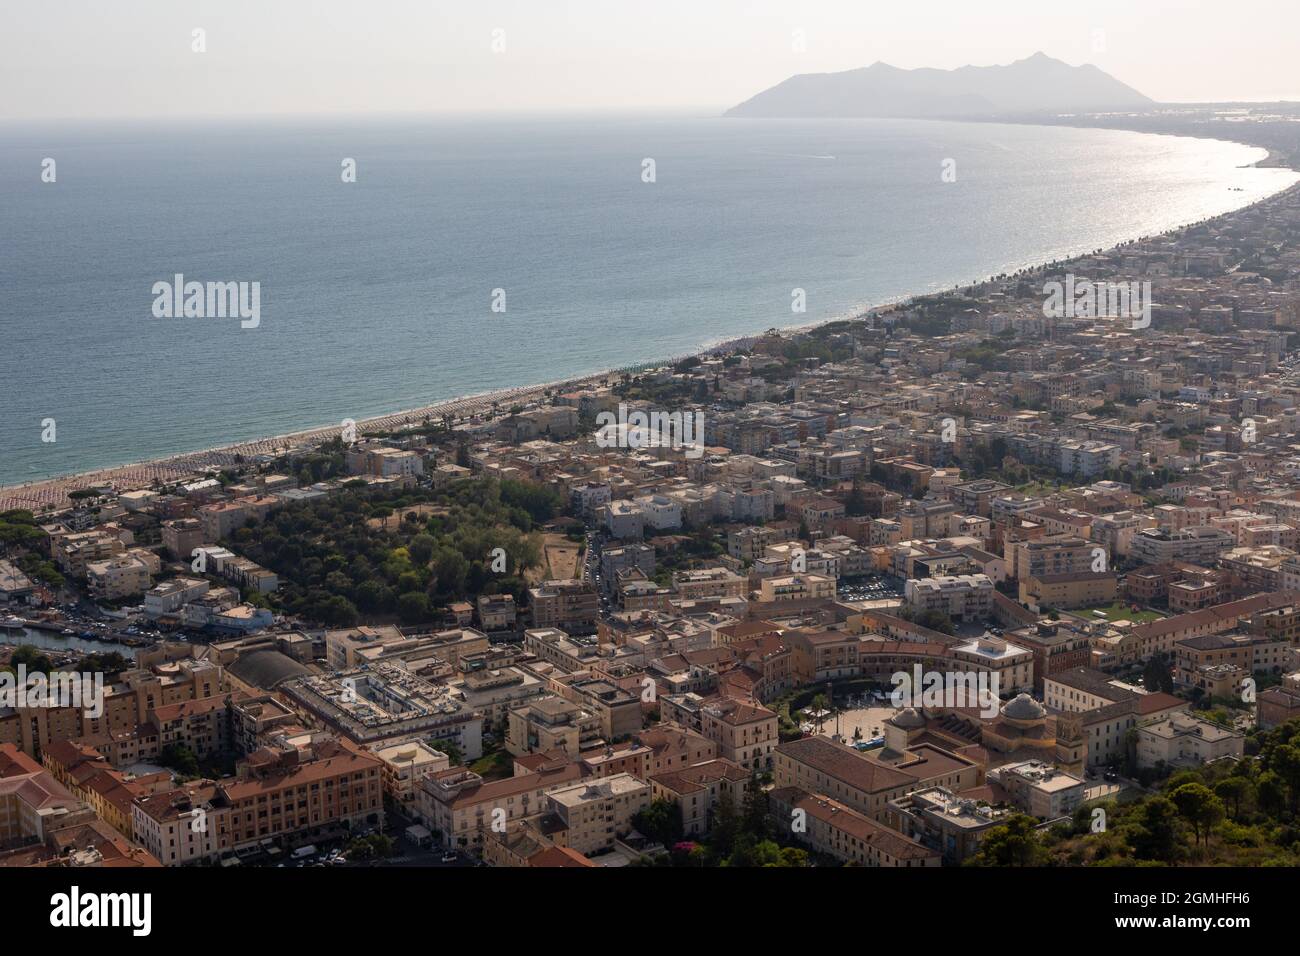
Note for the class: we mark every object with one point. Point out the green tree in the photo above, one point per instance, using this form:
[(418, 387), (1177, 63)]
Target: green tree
[(1198, 805), (454, 756), (1152, 830), (726, 824), (1285, 762), (1233, 791), (819, 704), (661, 821), (179, 758), (754, 817), (421, 548), (34, 659), (413, 607), (1270, 793), (1157, 676), (1014, 843)]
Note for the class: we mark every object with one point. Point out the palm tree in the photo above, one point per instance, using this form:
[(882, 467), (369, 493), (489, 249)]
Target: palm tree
[(819, 706)]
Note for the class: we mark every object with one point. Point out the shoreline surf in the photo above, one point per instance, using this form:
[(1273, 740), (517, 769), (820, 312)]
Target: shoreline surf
[(51, 493)]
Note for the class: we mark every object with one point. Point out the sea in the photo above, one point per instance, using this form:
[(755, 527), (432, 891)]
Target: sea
[(403, 260)]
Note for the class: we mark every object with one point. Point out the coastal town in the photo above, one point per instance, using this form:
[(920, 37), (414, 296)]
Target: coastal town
[(999, 576)]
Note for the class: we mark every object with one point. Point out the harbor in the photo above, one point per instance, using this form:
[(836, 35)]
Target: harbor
[(56, 636)]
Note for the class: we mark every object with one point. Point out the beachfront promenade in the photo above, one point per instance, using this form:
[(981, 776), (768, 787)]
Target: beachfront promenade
[(54, 493)]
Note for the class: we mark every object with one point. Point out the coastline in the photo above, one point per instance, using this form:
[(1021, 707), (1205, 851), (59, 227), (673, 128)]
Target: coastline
[(52, 494)]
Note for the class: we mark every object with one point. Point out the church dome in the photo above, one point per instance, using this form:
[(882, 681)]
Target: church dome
[(1023, 707), (908, 719)]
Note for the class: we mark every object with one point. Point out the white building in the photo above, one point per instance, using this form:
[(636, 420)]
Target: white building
[(624, 519), (660, 512), (1182, 740)]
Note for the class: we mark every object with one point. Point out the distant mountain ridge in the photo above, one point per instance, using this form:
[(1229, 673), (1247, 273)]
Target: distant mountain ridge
[(1035, 84)]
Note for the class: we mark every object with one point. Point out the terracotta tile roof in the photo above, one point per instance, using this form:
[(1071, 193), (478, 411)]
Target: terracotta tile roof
[(495, 790), (699, 777), (189, 708), (344, 762), (559, 856), (851, 822), (13, 762), (1218, 614), (845, 765)]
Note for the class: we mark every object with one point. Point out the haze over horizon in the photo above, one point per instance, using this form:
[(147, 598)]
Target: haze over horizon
[(68, 58)]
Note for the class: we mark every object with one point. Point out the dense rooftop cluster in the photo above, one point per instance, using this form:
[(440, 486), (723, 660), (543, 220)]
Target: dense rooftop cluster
[(661, 616)]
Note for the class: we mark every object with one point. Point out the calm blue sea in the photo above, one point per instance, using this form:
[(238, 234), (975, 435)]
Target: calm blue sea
[(376, 295)]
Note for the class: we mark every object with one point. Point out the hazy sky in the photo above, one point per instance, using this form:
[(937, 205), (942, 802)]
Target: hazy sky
[(133, 57)]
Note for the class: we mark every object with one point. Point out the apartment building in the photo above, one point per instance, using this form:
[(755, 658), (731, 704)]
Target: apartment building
[(386, 704), (128, 702), (623, 519), (666, 746), (1055, 647), (402, 767), (1196, 545), (1183, 740), (460, 807), (1013, 664), (1277, 705), (704, 583), (660, 512), (962, 597), (183, 825), (569, 604), (383, 461), (594, 814), (619, 711), (616, 560), (72, 552), (168, 597), (280, 796), (976, 497), (552, 724), (797, 587), (497, 612), (830, 827), (697, 789), (1050, 555), (1072, 590), (1040, 789), (818, 656), (1245, 654), (948, 824), (122, 576), (745, 733)]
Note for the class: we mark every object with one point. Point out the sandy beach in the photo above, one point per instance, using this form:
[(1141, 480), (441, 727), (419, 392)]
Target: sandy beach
[(52, 493)]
